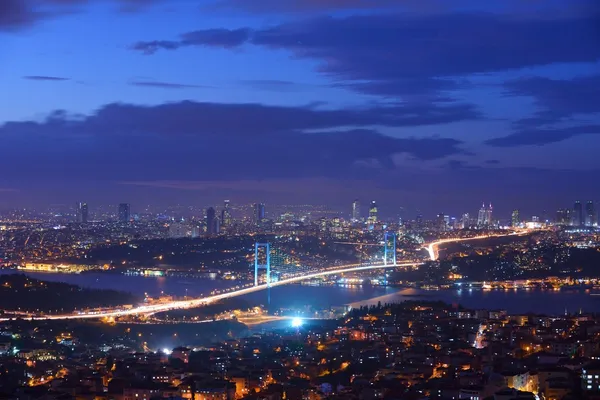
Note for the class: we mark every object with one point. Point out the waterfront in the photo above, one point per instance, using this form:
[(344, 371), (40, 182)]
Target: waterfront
[(514, 301)]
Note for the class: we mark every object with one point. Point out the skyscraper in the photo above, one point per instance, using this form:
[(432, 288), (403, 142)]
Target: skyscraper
[(441, 222), (516, 220), (259, 213), (484, 217), (355, 211), (226, 214), (373, 213), (563, 216), (124, 212), (590, 214), (212, 223), (82, 212), (465, 221), (578, 217), (488, 216), (481, 216)]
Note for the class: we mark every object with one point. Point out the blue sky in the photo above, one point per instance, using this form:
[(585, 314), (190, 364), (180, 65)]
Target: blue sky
[(301, 101)]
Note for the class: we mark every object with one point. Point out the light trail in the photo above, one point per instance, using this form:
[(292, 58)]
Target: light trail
[(433, 251), (185, 304)]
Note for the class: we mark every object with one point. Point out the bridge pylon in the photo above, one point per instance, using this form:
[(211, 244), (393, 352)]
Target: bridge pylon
[(389, 250)]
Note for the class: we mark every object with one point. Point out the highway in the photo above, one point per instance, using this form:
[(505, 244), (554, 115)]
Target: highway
[(432, 249)]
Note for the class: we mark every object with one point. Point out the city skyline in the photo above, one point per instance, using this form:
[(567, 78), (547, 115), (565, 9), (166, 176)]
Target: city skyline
[(577, 215)]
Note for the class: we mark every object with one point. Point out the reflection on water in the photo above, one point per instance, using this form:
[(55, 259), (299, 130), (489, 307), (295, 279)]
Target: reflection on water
[(520, 301)]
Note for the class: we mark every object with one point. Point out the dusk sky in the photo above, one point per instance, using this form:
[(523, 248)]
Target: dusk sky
[(430, 105)]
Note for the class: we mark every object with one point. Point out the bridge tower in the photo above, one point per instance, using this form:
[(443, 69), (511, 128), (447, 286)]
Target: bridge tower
[(266, 265), (389, 251)]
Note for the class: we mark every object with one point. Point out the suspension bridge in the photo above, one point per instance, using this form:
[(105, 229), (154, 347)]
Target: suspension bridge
[(264, 263)]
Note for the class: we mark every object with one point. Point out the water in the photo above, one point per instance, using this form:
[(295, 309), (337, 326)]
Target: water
[(138, 285), (520, 301)]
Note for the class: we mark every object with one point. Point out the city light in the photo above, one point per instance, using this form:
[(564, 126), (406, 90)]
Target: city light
[(296, 322), (167, 351)]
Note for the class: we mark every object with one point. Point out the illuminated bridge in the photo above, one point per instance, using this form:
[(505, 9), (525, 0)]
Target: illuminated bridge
[(389, 261)]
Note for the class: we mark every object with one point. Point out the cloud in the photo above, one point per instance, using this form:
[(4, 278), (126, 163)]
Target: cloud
[(539, 137), (420, 6), (558, 98), (44, 78), (565, 108), (19, 14), (167, 85), (225, 38), (425, 56), (190, 140)]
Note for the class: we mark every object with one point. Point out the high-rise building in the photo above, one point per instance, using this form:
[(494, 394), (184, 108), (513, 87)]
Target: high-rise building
[(578, 217), (563, 216), (82, 212), (484, 217), (355, 211), (124, 212), (373, 213), (226, 214), (259, 213), (212, 222), (481, 216), (441, 223), (465, 221), (591, 218), (515, 219)]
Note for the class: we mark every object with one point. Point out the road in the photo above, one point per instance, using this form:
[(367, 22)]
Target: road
[(432, 248), (433, 251)]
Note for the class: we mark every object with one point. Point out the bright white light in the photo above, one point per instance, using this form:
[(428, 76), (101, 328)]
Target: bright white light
[(296, 322), (167, 351)]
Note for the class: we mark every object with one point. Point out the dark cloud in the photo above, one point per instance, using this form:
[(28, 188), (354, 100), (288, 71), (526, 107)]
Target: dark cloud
[(558, 98), (19, 14), (421, 6), (415, 89), (408, 55), (539, 137), (226, 38), (44, 78), (575, 102), (167, 85), (190, 140), (15, 14), (399, 46)]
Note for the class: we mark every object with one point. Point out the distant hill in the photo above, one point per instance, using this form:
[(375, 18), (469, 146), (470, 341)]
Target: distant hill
[(22, 293)]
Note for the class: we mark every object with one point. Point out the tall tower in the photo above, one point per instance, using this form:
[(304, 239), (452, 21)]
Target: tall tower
[(590, 214), (488, 216), (124, 212), (212, 223), (82, 212), (515, 220), (355, 211), (226, 214), (259, 213), (578, 217), (481, 216), (373, 213)]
